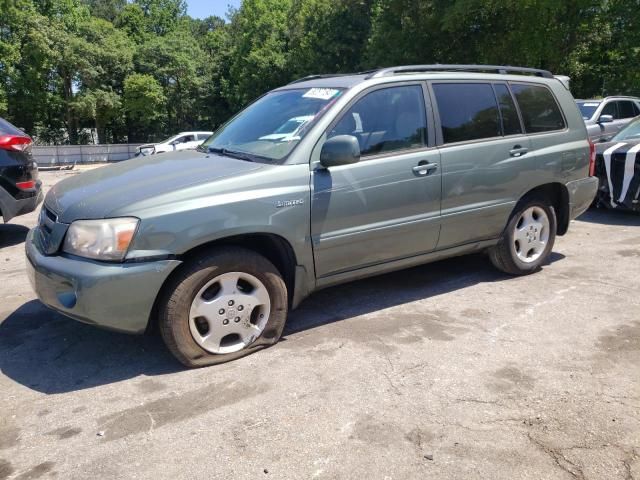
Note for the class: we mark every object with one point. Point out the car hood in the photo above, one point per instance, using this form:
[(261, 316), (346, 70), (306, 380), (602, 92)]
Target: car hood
[(97, 193)]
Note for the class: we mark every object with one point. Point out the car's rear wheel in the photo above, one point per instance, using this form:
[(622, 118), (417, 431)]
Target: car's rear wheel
[(222, 306), (527, 241)]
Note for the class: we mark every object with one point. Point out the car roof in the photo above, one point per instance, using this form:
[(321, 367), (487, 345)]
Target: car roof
[(424, 72), (353, 80)]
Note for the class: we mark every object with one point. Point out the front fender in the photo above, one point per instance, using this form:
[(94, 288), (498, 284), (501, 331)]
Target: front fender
[(272, 201)]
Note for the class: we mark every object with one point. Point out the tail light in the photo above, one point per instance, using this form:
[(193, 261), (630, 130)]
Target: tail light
[(28, 185), (592, 158), (17, 143)]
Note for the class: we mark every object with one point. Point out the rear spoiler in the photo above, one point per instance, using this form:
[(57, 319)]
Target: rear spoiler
[(563, 79)]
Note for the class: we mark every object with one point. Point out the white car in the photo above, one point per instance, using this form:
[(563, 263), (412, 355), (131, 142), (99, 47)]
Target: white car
[(181, 141), (289, 130)]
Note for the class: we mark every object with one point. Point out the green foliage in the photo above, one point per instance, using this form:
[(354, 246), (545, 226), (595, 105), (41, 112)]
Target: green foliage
[(142, 69), (106, 9), (161, 15), (259, 37), (144, 99)]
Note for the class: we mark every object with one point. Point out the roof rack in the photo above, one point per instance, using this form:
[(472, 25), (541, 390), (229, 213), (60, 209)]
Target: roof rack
[(620, 96), (329, 75), (503, 69), (312, 77)]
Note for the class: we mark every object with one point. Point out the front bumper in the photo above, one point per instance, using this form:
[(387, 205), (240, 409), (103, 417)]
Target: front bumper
[(11, 207), (581, 195), (115, 296)]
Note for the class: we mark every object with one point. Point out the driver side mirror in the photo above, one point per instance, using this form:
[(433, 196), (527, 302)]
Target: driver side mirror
[(605, 119), (340, 150)]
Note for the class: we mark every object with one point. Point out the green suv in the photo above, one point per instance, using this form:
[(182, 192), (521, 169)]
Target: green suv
[(325, 180)]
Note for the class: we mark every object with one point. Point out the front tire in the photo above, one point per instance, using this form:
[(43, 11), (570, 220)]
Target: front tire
[(528, 239), (223, 305)]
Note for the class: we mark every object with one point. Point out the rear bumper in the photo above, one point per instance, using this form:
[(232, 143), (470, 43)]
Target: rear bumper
[(581, 195), (12, 207), (115, 296)]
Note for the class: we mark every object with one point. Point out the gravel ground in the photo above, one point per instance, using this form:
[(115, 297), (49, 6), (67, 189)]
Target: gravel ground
[(449, 371)]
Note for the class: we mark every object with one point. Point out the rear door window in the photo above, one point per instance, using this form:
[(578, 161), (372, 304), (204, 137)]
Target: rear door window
[(510, 120), (539, 109), (386, 120), (625, 109), (468, 111)]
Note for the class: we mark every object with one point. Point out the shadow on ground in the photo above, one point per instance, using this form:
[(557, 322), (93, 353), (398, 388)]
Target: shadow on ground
[(605, 216), (385, 291), (51, 353), (47, 352), (12, 234)]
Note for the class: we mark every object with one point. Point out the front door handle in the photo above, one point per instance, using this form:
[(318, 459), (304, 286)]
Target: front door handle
[(424, 168), (518, 151)]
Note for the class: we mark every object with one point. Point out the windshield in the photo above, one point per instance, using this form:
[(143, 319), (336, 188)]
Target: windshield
[(292, 125), (630, 132), (270, 128), (587, 109)]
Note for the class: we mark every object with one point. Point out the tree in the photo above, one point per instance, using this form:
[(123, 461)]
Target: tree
[(106, 9), (259, 43), (144, 68), (144, 104), (178, 63), (161, 15), (98, 107), (328, 36)]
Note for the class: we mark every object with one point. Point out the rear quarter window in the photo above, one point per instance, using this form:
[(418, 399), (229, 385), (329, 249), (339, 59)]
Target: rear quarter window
[(539, 109)]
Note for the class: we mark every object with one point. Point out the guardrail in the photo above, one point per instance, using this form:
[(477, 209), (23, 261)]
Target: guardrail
[(82, 154)]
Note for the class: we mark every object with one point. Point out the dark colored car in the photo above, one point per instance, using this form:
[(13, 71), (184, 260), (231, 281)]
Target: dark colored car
[(20, 189), (618, 169)]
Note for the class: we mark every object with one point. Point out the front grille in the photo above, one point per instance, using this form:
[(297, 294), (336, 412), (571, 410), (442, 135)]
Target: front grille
[(50, 215), (51, 231)]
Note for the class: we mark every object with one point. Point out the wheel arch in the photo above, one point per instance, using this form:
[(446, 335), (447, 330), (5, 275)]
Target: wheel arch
[(558, 195), (273, 247)]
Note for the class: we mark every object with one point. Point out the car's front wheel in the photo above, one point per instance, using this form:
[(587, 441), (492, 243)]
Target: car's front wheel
[(222, 306), (528, 239)]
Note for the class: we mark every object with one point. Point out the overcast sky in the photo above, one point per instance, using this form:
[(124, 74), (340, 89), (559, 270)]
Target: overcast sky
[(205, 8)]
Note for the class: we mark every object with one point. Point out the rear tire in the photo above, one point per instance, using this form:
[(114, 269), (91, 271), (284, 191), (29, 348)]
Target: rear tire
[(528, 239), (223, 305)]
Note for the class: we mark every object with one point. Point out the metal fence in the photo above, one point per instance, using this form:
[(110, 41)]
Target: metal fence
[(79, 154)]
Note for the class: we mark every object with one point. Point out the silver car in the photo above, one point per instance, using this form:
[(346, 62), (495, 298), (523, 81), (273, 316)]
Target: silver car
[(604, 118)]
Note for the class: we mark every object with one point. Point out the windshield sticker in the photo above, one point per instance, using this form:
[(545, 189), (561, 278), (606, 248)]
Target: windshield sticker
[(321, 93), (590, 104)]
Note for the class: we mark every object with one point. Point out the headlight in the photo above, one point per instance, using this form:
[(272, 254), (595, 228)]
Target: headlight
[(107, 239)]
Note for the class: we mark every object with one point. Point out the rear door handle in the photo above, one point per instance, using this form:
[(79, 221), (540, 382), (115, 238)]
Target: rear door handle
[(518, 151), (424, 168)]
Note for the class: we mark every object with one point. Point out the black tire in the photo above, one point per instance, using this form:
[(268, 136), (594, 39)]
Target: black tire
[(504, 256), (180, 291)]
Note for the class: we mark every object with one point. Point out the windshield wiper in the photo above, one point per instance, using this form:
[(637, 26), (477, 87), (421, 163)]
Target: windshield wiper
[(232, 153), (250, 157)]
